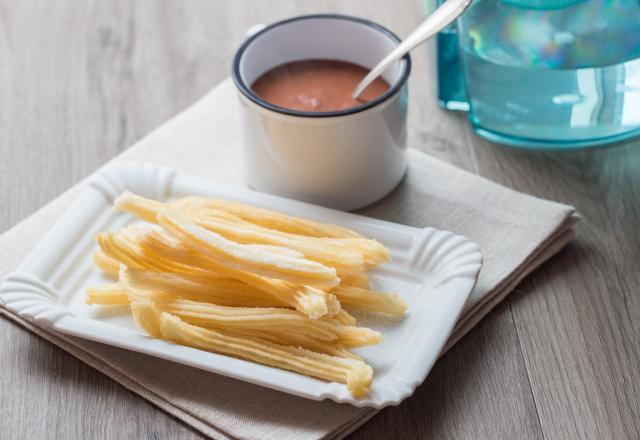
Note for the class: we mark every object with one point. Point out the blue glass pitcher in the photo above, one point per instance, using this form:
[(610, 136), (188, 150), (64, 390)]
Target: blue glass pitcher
[(552, 74)]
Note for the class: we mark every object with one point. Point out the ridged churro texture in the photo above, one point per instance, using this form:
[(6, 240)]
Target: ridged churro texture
[(246, 282)]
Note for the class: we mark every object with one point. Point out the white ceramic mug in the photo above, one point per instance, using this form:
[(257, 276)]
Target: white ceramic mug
[(344, 159)]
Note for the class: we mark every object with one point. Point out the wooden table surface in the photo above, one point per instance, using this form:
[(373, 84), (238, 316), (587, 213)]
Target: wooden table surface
[(82, 80)]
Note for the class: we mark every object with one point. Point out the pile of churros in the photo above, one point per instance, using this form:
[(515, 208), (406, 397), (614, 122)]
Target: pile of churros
[(246, 282)]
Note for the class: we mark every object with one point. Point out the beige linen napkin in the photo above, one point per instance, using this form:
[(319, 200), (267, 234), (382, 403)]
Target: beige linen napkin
[(203, 141)]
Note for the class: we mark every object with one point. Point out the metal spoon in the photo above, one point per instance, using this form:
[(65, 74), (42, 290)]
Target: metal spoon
[(441, 18)]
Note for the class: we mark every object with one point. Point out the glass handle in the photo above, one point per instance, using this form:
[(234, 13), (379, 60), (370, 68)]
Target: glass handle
[(452, 93)]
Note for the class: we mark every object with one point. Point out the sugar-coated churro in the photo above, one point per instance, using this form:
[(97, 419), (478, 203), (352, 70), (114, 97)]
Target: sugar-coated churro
[(141, 207), (344, 252), (238, 256), (271, 219), (269, 320), (328, 253), (296, 340), (109, 295), (107, 265), (169, 255), (370, 301), (246, 282), (265, 319), (225, 292), (356, 374), (356, 279), (345, 318), (373, 252), (309, 300)]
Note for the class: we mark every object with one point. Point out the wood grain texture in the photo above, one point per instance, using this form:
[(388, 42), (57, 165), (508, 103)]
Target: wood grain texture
[(81, 81)]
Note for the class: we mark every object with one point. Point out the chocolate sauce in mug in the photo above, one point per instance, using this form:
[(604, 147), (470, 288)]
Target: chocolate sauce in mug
[(316, 85)]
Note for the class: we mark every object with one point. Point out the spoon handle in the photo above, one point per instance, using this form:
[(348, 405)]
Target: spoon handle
[(434, 23)]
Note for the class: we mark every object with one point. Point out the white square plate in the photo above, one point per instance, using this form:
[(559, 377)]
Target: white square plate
[(434, 271)]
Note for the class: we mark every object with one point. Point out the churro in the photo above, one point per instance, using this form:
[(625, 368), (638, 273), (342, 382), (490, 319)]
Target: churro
[(271, 219), (265, 319), (311, 301), (328, 253), (238, 256), (246, 282), (370, 301), (357, 375), (345, 253)]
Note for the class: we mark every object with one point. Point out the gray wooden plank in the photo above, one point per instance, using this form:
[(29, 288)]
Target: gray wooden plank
[(577, 318), (47, 393), (479, 389)]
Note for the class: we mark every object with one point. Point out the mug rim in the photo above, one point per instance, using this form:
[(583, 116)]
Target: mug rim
[(248, 93)]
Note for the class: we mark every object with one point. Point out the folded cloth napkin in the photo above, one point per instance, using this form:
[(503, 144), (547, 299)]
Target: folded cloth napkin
[(204, 141)]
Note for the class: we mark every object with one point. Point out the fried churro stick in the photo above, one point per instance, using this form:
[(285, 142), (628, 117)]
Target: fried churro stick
[(344, 255), (355, 279), (113, 294), (173, 254), (229, 292), (370, 301), (279, 337), (222, 291), (121, 247), (106, 264), (270, 219), (302, 341), (118, 296), (128, 240), (248, 318), (141, 207), (237, 256), (147, 317), (109, 295), (269, 320), (195, 263), (225, 277), (345, 318), (373, 252), (309, 300), (219, 220), (255, 318), (356, 374), (333, 255), (166, 287)]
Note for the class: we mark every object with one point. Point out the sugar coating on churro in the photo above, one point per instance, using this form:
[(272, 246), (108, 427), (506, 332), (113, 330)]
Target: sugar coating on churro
[(229, 253)]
